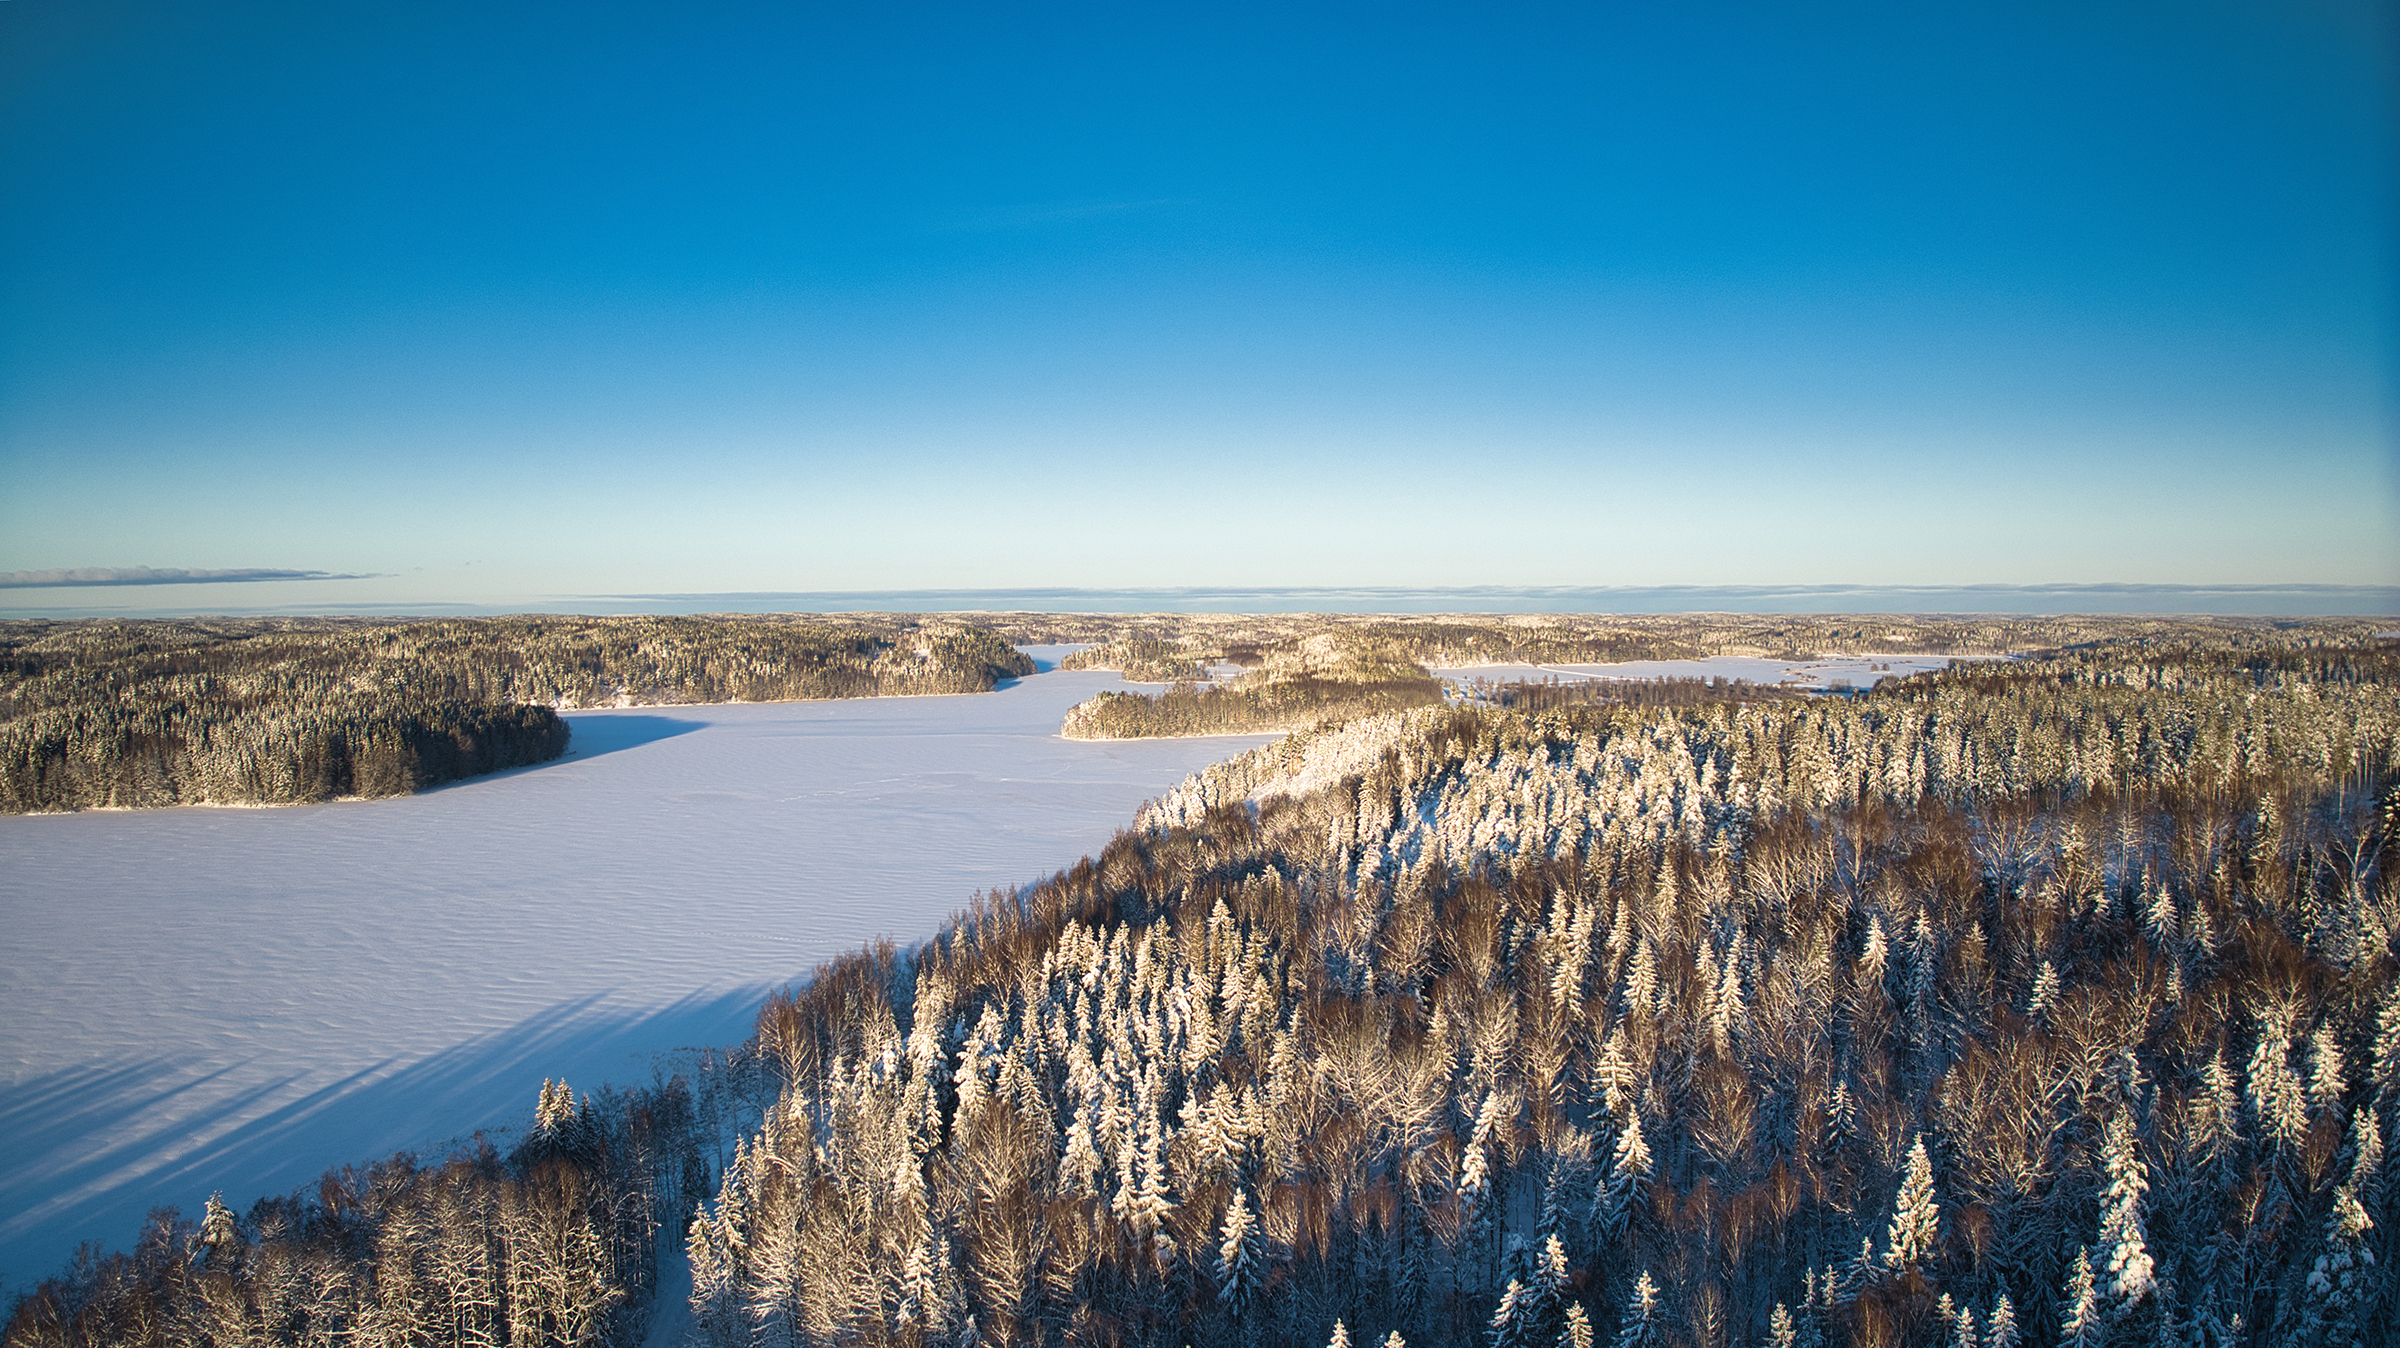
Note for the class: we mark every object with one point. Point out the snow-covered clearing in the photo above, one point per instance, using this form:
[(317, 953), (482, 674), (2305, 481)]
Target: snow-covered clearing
[(200, 999), (1858, 671)]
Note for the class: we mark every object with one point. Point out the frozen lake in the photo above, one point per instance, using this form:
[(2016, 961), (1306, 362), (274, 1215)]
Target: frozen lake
[(200, 999)]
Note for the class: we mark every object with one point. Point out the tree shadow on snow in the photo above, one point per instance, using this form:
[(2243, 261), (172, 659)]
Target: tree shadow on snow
[(68, 1180), (592, 736)]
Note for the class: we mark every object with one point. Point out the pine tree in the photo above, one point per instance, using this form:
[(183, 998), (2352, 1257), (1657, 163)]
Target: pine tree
[(2000, 1331), (2160, 917), (219, 1235), (2386, 1071), (2276, 1100), (1241, 1263), (1961, 1320), (2045, 991), (1509, 1318), (1858, 1273), (1871, 961), (2326, 1082), (2130, 1271), (1578, 1330), (2217, 1113), (2338, 1281), (2079, 1307), (1626, 1171), (1640, 1328), (1916, 1217), (1341, 1336), (1841, 1117), (1780, 1330), (1615, 1075)]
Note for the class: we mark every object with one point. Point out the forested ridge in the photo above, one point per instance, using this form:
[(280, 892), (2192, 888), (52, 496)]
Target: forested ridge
[(1291, 672), (1165, 648), (2048, 1001), (2050, 1004), (276, 711)]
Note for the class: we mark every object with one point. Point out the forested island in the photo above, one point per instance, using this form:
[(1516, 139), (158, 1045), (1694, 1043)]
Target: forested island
[(282, 711), (1289, 689), (2026, 1003)]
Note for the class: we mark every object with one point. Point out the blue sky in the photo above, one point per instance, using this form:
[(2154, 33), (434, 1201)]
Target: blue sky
[(504, 304)]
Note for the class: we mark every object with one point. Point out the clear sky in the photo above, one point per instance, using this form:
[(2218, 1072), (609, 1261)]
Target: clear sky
[(502, 303)]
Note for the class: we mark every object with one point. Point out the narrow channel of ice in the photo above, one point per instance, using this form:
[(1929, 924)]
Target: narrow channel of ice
[(235, 999)]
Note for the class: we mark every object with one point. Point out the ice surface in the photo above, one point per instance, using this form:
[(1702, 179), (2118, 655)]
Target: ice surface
[(1857, 669), (198, 999)]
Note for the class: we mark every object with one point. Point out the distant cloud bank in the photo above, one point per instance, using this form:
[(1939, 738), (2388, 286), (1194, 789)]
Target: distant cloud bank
[(155, 575)]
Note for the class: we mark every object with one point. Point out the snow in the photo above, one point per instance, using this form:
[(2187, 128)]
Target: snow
[(1858, 670), (200, 999)]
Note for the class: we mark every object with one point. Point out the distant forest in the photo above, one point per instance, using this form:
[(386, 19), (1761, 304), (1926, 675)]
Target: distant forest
[(2048, 1002), (279, 711), (1293, 672), (1289, 691), (1165, 648), (1553, 693)]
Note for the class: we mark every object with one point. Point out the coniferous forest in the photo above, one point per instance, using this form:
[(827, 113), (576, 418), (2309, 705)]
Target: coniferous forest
[(2051, 1001), (1263, 673), (280, 711)]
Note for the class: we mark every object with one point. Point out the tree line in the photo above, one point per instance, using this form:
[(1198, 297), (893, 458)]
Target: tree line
[(1164, 648), (1552, 693), (278, 711), (1302, 670)]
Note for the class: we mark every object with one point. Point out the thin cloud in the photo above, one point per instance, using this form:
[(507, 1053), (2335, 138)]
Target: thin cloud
[(158, 575)]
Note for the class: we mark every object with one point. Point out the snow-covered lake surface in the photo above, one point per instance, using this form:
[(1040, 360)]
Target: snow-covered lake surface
[(1858, 671), (236, 999)]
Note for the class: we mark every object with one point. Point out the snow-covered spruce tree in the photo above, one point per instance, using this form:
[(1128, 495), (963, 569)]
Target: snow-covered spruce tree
[(1639, 1326), (1576, 1331), (1628, 1168), (2079, 1309), (2000, 1329), (1241, 1268), (1916, 1216), (1512, 1323), (2128, 1274), (2341, 1277)]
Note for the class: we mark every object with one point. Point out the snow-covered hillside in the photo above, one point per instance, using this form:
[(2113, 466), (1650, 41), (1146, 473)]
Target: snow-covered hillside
[(200, 999)]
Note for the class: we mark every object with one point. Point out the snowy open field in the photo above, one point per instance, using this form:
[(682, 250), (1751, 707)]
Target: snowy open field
[(1860, 671), (199, 999)]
